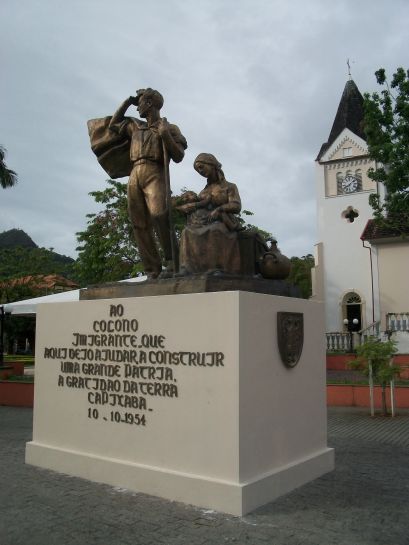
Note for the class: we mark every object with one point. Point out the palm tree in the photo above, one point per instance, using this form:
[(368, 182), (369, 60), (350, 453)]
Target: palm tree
[(8, 177)]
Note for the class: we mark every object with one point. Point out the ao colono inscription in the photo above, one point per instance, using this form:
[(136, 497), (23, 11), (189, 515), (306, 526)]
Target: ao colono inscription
[(123, 369)]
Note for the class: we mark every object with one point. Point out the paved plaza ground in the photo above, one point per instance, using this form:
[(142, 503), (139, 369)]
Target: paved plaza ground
[(365, 501)]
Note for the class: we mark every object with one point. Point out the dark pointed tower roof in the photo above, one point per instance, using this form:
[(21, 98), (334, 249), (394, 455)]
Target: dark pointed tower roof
[(350, 115)]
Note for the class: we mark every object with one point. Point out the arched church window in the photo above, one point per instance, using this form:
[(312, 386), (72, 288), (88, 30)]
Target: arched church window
[(352, 299)]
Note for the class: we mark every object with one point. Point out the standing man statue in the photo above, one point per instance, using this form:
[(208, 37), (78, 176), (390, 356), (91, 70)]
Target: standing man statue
[(142, 150)]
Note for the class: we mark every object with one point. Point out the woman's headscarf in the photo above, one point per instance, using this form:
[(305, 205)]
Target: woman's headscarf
[(209, 159)]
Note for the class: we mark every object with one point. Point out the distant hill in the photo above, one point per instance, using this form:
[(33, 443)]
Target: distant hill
[(20, 256), (14, 238)]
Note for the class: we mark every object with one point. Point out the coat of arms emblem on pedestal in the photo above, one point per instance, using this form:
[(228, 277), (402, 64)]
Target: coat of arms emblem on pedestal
[(290, 336)]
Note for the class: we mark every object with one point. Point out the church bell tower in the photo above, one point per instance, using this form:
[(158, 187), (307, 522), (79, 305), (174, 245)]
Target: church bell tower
[(345, 273)]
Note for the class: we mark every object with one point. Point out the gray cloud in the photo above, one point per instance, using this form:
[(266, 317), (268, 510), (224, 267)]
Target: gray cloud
[(255, 82)]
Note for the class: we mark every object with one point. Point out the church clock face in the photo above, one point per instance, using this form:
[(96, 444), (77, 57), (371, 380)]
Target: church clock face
[(349, 184)]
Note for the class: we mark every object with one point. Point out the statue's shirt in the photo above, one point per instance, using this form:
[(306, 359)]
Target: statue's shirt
[(146, 143)]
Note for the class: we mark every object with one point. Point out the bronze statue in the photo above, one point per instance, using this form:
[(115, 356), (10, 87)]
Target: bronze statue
[(209, 242), (142, 149), (213, 241), (273, 264)]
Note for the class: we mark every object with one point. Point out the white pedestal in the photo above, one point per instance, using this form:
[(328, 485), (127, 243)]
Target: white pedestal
[(199, 407)]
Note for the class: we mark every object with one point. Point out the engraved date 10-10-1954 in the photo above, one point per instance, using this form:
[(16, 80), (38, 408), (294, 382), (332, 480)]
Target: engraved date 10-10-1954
[(116, 416)]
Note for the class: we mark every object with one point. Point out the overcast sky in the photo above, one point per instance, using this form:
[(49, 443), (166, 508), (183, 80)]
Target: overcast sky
[(255, 82)]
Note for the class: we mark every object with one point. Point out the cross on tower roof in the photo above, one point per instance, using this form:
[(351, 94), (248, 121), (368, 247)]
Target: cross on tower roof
[(349, 69)]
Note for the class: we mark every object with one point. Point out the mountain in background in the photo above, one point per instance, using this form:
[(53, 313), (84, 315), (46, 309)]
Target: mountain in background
[(16, 237), (20, 256)]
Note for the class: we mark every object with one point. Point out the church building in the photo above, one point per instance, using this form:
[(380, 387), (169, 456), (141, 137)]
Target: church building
[(360, 270), (345, 275)]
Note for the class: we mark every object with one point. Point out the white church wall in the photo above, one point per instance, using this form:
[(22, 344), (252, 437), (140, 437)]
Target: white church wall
[(347, 263)]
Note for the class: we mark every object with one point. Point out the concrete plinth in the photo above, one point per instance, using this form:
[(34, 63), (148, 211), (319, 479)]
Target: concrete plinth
[(183, 397)]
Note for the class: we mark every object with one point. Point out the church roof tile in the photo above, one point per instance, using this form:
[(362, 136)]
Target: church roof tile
[(350, 115), (373, 232)]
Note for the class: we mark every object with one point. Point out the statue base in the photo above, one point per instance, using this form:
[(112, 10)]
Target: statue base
[(182, 397), (201, 283)]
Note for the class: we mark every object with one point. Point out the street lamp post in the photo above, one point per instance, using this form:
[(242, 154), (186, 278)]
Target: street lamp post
[(349, 324)]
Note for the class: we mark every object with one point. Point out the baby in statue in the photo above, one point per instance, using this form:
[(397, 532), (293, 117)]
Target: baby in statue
[(194, 208), (209, 242)]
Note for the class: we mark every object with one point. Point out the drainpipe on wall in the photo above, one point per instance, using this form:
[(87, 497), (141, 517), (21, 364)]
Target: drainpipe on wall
[(372, 289)]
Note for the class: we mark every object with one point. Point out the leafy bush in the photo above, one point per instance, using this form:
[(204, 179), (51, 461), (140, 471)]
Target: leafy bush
[(374, 358)]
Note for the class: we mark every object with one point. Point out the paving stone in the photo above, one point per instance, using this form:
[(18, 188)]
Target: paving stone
[(363, 502)]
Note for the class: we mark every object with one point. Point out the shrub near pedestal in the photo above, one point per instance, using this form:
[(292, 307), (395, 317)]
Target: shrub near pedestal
[(374, 360)]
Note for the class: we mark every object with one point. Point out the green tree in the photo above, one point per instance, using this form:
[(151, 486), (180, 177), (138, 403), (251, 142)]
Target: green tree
[(8, 177), (386, 124), (17, 329), (106, 248), (19, 261), (374, 358), (300, 274)]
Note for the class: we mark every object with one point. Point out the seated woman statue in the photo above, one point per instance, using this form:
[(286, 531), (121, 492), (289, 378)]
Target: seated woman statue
[(209, 241)]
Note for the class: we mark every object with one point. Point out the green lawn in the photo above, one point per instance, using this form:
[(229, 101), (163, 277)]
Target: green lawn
[(20, 378), (27, 360)]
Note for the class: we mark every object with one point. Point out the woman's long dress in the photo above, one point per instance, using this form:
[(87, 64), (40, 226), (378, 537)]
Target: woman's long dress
[(209, 245)]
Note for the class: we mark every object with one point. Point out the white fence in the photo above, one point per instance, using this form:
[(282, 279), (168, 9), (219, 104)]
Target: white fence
[(346, 340), (338, 341), (397, 324), (397, 321)]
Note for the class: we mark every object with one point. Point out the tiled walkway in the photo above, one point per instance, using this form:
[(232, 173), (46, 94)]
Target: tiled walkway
[(365, 501)]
